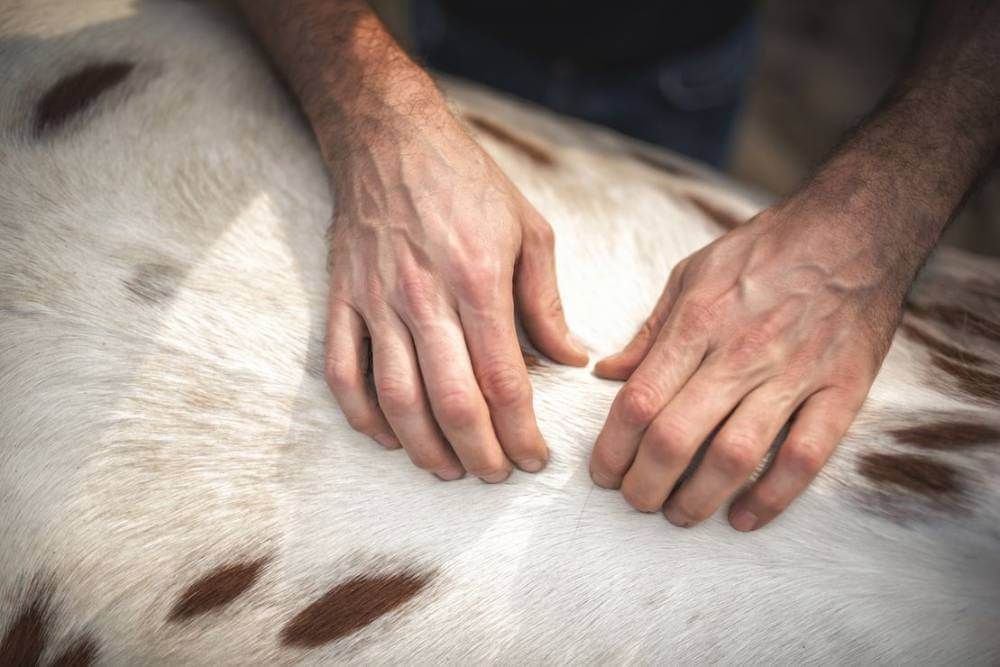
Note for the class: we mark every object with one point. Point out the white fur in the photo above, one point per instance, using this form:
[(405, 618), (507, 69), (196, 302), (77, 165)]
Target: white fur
[(144, 444)]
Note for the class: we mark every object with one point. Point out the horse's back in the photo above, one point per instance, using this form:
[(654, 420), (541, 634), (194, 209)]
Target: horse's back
[(178, 485)]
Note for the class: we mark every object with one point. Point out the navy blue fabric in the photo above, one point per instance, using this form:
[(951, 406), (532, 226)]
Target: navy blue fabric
[(686, 101)]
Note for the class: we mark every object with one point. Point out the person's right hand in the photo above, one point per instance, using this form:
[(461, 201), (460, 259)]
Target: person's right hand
[(431, 245)]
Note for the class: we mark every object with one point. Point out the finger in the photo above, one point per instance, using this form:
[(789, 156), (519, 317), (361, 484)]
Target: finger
[(539, 304), (503, 379), (734, 453), (455, 397), (346, 369), (815, 432), (621, 365), (673, 358), (401, 395), (670, 443)]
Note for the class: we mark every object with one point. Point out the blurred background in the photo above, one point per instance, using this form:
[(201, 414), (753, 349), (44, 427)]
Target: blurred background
[(813, 69)]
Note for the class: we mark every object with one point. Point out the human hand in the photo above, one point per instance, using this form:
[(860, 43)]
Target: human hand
[(430, 246), (786, 317)]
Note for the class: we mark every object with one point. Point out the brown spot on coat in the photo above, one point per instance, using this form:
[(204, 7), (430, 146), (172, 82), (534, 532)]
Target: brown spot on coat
[(958, 318), (82, 653), (216, 589), (154, 283), (529, 149), (350, 606), (721, 217), (937, 345), (921, 475), (661, 164), (984, 288), (75, 92), (945, 435), (24, 641), (974, 382)]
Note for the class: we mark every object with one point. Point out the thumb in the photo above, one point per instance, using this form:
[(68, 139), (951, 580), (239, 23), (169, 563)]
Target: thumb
[(621, 365), (538, 299)]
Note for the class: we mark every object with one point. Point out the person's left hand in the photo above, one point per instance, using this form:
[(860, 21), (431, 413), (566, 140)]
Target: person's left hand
[(786, 317)]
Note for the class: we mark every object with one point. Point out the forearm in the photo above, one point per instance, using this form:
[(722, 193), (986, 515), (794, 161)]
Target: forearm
[(915, 159), (348, 74)]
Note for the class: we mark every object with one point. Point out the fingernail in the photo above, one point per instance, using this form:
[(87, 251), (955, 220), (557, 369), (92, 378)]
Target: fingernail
[(496, 477), (743, 520), (387, 441), (531, 465), (602, 480), (677, 519), (578, 345), (450, 475)]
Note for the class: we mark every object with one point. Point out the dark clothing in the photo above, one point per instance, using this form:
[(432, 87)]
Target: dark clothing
[(600, 35), (673, 78)]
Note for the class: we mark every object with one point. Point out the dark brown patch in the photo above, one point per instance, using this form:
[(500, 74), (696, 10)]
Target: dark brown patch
[(976, 383), (532, 151), (937, 345), (921, 475), (349, 607), (660, 164), (82, 653), (957, 318), (216, 589), (25, 639), (154, 283), (721, 217), (945, 435), (75, 92), (983, 288)]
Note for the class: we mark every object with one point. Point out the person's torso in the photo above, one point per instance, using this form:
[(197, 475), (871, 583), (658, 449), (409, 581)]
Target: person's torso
[(601, 35)]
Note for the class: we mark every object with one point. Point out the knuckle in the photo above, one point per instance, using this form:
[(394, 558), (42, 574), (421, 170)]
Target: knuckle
[(668, 440), (418, 298), (362, 422), (339, 377), (546, 235), (504, 386), (805, 457), (457, 408), (426, 460), (735, 455), (640, 402), (769, 502), (397, 397)]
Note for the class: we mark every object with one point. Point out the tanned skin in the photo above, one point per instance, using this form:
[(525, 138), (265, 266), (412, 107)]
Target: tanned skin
[(786, 318)]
